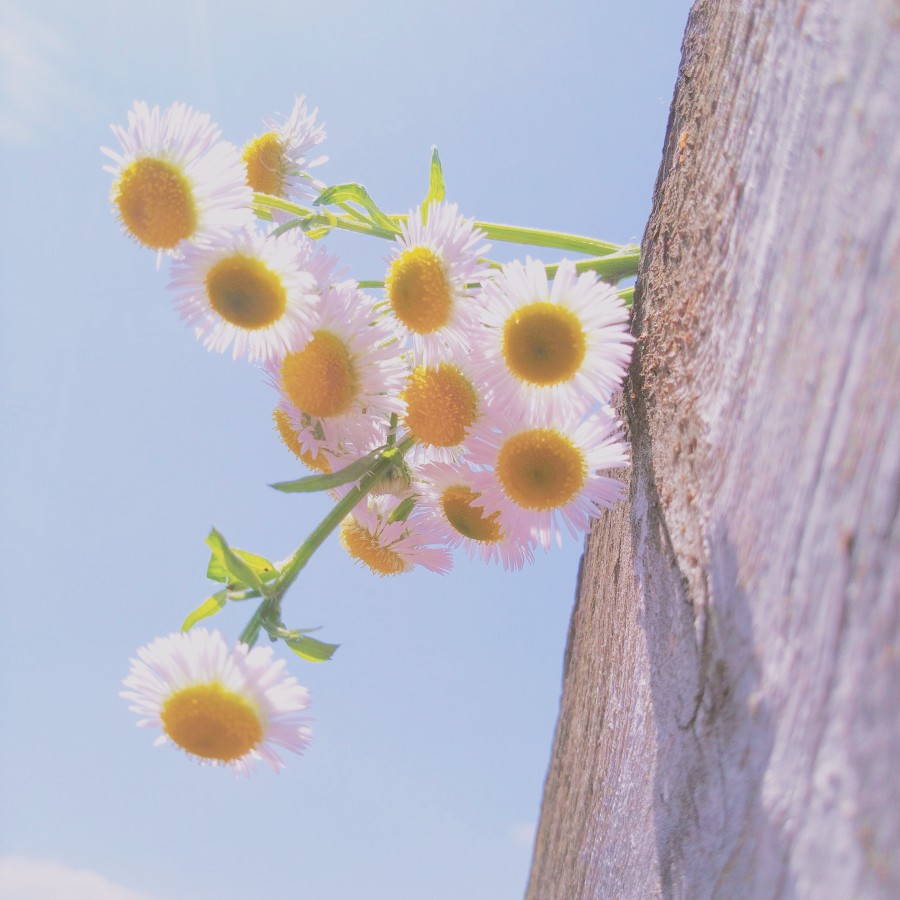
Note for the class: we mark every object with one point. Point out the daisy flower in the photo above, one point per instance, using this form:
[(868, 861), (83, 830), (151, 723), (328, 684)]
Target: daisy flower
[(291, 435), (426, 280), (173, 180), (391, 548), (442, 403), (276, 161), (256, 293), (325, 445), (447, 492), (222, 707), (552, 349), (351, 365), (543, 474)]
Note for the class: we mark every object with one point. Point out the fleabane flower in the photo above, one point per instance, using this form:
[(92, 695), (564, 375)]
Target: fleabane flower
[(326, 445), (541, 474), (443, 403), (448, 493), (349, 372), (426, 282), (174, 180), (223, 707), (391, 547), (551, 348), (292, 432), (277, 161), (255, 293)]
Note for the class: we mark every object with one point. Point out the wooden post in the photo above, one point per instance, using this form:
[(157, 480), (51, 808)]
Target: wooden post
[(730, 718)]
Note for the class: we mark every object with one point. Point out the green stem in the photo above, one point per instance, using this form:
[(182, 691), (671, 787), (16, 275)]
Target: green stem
[(364, 228), (613, 267), (251, 632), (334, 518), (535, 237), (270, 201), (304, 552), (627, 294)]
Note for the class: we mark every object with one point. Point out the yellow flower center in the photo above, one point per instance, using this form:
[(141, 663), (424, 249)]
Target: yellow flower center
[(156, 203), (543, 343), (289, 436), (418, 290), (210, 721), (441, 405), (244, 291), (540, 469), (264, 159), (469, 520), (361, 545), (321, 378)]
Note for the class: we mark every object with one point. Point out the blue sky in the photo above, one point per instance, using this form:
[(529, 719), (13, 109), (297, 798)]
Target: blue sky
[(124, 441)]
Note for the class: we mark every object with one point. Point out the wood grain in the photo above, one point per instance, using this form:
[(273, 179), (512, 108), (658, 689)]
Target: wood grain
[(730, 718)]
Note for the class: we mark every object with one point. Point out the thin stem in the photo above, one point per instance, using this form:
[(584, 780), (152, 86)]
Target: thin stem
[(334, 518), (613, 267), (251, 632), (536, 237), (270, 201), (364, 228), (304, 552), (611, 262), (627, 294)]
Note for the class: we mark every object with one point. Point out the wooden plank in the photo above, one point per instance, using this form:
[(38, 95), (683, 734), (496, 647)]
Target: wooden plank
[(730, 719)]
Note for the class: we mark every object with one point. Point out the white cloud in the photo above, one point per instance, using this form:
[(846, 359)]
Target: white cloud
[(521, 834), (34, 879), (33, 81)]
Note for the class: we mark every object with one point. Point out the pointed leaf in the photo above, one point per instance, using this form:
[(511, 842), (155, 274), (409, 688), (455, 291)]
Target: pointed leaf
[(216, 570), (400, 513), (436, 183), (356, 193), (286, 226), (209, 607), (311, 483), (311, 649), (235, 566)]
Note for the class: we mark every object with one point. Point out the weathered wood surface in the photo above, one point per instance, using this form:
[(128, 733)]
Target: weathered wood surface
[(730, 719)]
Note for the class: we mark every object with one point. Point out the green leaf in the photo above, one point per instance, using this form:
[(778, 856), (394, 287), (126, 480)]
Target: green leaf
[(209, 607), (435, 184), (286, 226), (356, 193), (311, 483), (216, 570), (311, 649), (235, 566), (401, 511), (315, 225)]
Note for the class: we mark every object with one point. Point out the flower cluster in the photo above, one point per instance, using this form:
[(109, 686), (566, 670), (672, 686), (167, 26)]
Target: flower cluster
[(487, 386), (501, 376)]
